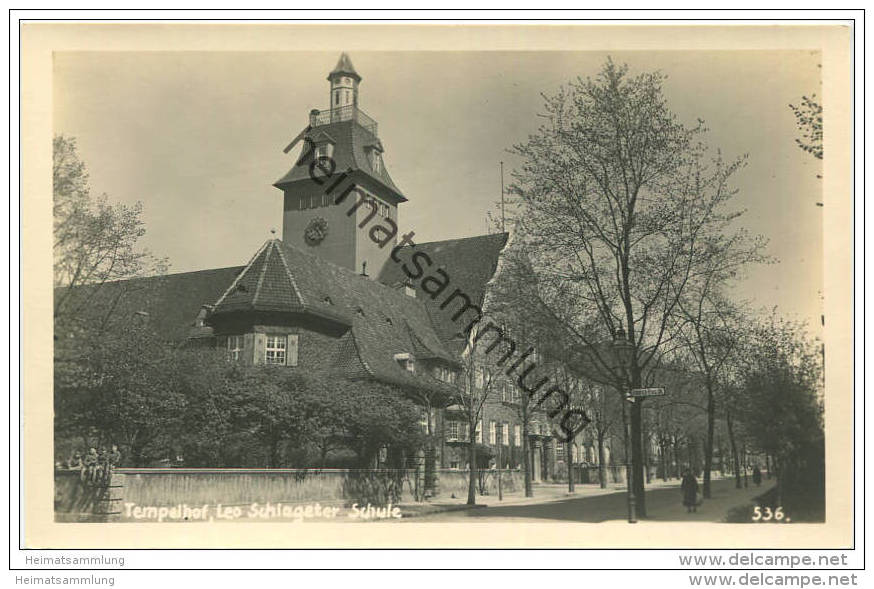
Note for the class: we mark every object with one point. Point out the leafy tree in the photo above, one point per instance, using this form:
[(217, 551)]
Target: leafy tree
[(781, 406), (377, 416), (808, 118), (121, 390)]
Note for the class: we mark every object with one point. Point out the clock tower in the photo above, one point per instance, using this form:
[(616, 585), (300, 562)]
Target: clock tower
[(341, 154)]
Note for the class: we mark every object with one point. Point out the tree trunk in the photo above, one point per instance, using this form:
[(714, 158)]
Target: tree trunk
[(730, 423), (569, 461), (663, 459), (526, 456), (471, 486), (708, 444), (602, 468), (637, 458)]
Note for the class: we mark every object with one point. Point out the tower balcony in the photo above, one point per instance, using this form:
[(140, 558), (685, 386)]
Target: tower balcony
[(340, 114)]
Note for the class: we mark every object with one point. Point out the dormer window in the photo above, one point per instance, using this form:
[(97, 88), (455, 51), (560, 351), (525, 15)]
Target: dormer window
[(325, 150), (376, 161), (406, 361)]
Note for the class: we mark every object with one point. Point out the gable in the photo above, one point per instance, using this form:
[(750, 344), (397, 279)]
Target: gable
[(470, 264)]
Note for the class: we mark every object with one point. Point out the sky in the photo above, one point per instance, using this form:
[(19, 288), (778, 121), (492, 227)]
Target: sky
[(197, 137)]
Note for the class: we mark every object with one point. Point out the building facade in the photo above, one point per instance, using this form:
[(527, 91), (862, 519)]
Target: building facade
[(346, 292)]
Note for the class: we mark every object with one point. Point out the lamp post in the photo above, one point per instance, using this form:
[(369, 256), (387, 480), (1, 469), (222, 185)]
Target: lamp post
[(622, 351)]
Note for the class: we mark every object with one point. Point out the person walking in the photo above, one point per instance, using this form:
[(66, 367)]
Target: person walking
[(689, 487), (757, 476)]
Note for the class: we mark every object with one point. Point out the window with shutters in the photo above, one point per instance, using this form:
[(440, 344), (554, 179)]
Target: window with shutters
[(274, 352), (235, 347), (493, 432), (479, 432), (559, 452), (452, 428), (505, 434), (291, 349), (517, 436)]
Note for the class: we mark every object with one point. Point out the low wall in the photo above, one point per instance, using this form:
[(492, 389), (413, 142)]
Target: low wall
[(169, 486), (157, 487), (80, 501), (455, 482)]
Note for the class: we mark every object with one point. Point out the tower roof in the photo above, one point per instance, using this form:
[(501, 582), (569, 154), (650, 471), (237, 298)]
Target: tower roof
[(344, 66), (352, 142)]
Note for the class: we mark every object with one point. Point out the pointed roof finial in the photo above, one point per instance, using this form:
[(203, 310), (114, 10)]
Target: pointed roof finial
[(344, 67)]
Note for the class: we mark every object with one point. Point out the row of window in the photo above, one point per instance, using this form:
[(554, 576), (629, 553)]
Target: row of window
[(460, 431), (315, 201)]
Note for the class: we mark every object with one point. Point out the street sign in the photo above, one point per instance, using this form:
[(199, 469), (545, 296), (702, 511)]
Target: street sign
[(653, 392)]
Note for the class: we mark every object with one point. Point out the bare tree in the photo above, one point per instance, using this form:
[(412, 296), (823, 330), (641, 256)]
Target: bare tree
[(620, 209), (710, 331), (473, 387), (95, 243)]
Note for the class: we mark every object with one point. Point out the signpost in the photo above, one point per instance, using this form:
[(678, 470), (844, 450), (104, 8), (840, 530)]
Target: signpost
[(652, 392)]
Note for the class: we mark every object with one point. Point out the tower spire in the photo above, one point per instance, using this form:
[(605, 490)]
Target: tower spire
[(344, 66), (344, 83)]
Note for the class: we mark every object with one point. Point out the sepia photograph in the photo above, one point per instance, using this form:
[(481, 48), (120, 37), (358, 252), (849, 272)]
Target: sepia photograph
[(398, 288)]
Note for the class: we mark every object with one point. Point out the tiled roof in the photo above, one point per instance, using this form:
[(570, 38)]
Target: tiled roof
[(381, 321), (350, 140), (384, 321), (470, 263), (171, 302)]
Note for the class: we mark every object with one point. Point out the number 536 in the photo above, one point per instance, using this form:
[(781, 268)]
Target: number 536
[(776, 515)]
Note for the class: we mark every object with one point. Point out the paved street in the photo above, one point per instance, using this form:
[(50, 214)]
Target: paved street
[(663, 504)]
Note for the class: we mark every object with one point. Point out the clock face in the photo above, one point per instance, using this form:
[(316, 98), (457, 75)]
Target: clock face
[(315, 232)]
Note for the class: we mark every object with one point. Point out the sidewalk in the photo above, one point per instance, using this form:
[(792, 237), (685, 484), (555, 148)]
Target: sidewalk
[(724, 497), (543, 493), (590, 504)]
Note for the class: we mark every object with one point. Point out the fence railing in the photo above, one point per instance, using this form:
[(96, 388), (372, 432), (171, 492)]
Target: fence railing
[(343, 113)]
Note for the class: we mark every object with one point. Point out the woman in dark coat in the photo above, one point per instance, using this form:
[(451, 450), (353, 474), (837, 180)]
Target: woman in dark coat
[(689, 486), (757, 476)]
